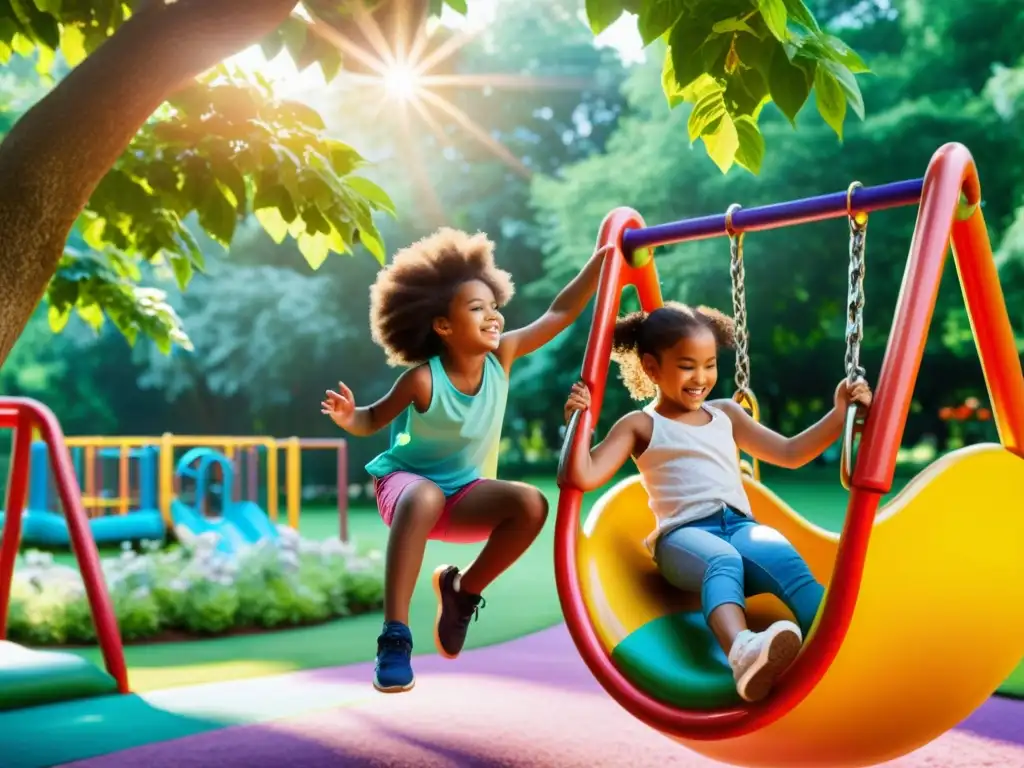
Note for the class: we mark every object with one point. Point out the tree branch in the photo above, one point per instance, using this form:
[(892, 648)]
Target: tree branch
[(58, 152)]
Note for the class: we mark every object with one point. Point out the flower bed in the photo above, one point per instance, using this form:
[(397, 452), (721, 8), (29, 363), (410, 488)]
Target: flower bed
[(193, 590)]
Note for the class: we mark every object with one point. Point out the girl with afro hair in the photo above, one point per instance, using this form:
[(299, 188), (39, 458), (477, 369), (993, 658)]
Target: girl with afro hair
[(435, 310), (705, 539)]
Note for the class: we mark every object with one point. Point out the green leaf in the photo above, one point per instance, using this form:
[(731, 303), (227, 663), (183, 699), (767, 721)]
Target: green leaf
[(828, 95), (774, 14), (708, 110), (302, 114), (49, 6), (314, 248), (844, 54), (788, 85), (272, 44), (217, 215), (459, 6), (686, 41), (669, 83), (371, 192), (46, 30), (723, 144), (602, 14), (293, 34), (801, 14), (746, 92), (273, 224), (846, 80), (182, 268), (92, 314), (22, 10), (58, 317), (734, 24), (373, 243), (330, 63), (656, 17), (750, 153), (72, 45)]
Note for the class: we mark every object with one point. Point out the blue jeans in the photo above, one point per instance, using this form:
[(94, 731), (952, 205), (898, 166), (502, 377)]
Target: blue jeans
[(728, 555)]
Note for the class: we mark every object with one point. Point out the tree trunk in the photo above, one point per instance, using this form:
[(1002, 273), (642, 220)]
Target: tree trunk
[(58, 152)]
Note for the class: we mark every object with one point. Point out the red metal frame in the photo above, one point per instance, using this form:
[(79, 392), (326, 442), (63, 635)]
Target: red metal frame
[(21, 415), (951, 170)]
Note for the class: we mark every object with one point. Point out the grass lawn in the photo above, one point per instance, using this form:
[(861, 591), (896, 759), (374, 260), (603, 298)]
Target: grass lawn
[(522, 601)]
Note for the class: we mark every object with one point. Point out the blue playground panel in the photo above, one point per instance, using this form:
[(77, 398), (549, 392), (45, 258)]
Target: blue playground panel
[(241, 524), (41, 526)]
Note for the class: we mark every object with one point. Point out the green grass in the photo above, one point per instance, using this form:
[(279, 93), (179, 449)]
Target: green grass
[(522, 601)]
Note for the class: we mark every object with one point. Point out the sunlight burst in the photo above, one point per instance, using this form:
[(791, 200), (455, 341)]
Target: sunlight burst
[(402, 74), (401, 82)]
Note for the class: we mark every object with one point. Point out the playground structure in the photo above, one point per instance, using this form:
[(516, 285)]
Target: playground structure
[(138, 488), (906, 587), (874, 681)]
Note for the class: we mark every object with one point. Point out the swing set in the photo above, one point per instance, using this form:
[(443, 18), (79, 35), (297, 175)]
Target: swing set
[(921, 621)]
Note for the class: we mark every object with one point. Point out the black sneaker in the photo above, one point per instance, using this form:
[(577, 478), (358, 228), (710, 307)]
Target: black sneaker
[(393, 671), (454, 611)]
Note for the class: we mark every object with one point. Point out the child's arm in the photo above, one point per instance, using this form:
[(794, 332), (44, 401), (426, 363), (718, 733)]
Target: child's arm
[(412, 388), (566, 307), (793, 452), (588, 469)]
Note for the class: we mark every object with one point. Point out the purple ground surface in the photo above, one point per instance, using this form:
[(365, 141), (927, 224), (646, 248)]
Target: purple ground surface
[(530, 702)]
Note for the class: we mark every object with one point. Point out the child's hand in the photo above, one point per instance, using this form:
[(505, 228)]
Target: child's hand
[(340, 406), (579, 400), (859, 393)]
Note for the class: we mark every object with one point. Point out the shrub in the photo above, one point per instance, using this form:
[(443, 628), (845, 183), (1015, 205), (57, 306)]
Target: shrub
[(195, 589)]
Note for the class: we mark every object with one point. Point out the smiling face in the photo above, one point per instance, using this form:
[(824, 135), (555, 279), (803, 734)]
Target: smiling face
[(473, 324), (687, 371)]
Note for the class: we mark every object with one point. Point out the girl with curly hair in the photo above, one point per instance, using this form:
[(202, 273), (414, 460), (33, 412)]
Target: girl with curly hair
[(436, 311), (685, 447)]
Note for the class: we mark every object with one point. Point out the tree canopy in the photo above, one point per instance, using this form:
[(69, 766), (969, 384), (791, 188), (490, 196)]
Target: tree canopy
[(146, 130)]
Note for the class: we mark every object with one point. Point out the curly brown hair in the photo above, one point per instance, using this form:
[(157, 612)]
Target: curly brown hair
[(639, 333), (418, 285)]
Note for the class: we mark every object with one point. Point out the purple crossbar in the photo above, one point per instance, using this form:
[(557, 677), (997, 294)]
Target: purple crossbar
[(829, 206)]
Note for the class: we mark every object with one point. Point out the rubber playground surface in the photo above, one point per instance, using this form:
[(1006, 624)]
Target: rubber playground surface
[(529, 702)]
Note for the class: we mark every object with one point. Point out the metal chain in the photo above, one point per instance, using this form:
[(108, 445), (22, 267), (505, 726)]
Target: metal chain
[(855, 291), (739, 302)]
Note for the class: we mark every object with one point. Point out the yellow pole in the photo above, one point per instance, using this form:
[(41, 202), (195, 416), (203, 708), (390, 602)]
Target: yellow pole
[(271, 446), (123, 471), (294, 481), (166, 477)]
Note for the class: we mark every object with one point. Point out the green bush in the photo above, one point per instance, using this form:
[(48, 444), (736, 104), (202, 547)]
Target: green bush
[(194, 589)]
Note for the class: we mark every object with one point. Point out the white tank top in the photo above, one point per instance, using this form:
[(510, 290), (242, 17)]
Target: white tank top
[(690, 472)]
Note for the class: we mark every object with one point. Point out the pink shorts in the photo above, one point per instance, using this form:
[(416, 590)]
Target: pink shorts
[(389, 490)]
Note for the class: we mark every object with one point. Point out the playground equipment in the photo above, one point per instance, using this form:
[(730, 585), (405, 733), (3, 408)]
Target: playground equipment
[(137, 499), (127, 514), (896, 656), (29, 677), (238, 523)]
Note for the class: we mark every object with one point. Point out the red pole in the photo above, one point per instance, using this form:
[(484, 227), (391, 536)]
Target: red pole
[(343, 490), (17, 488), (82, 542)]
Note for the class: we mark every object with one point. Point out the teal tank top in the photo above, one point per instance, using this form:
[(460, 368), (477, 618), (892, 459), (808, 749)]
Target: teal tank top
[(455, 441)]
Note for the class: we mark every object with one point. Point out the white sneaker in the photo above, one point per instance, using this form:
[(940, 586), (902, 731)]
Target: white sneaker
[(758, 658)]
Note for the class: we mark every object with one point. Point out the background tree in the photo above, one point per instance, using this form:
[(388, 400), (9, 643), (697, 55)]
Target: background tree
[(222, 146)]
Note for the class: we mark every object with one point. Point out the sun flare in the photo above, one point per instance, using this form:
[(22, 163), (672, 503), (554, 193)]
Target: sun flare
[(401, 82)]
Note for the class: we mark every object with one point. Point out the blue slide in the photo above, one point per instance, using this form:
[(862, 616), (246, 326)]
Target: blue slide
[(43, 526), (241, 523)]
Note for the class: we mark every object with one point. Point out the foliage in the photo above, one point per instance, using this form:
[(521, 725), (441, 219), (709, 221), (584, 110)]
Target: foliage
[(728, 58), (195, 590), (797, 278), (219, 149)]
